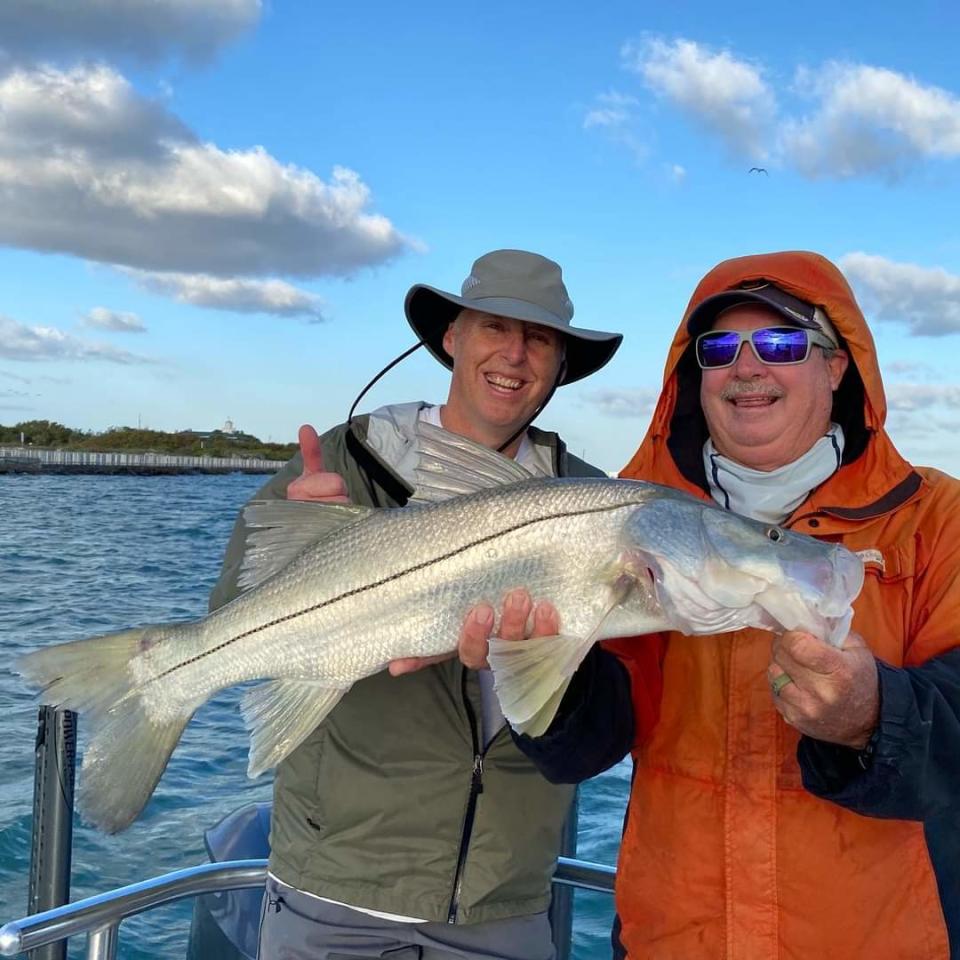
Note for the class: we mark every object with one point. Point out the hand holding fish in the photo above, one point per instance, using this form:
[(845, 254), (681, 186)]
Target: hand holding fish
[(833, 693), (515, 624), (315, 483), (478, 626)]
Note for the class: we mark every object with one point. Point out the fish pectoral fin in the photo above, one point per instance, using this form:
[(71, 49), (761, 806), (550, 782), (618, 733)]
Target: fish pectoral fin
[(279, 530), (450, 465), (531, 676), (280, 715)]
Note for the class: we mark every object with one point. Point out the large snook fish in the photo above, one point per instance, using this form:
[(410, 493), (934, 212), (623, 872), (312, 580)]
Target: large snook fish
[(336, 592)]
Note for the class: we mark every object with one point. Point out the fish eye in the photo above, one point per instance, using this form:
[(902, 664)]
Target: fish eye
[(775, 534)]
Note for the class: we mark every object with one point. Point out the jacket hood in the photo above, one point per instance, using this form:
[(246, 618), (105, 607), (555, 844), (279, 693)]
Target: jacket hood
[(859, 402)]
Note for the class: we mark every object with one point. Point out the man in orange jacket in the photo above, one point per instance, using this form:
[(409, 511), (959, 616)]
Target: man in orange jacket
[(791, 800)]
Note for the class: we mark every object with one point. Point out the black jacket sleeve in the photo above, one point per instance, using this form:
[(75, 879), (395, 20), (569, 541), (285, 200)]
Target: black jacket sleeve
[(593, 728), (911, 770)]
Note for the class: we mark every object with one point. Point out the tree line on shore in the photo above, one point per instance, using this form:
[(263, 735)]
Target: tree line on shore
[(185, 443)]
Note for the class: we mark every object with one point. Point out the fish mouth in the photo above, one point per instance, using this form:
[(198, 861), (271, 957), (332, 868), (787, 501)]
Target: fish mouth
[(836, 605)]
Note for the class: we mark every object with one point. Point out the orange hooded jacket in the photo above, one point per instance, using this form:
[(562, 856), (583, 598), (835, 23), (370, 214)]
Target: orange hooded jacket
[(725, 853)]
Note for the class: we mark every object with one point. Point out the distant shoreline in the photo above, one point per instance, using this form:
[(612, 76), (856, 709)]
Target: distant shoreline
[(24, 460)]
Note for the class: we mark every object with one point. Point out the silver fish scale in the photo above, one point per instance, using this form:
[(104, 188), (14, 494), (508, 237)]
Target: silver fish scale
[(398, 583)]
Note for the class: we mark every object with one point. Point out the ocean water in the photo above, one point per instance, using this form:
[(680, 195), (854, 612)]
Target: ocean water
[(84, 555)]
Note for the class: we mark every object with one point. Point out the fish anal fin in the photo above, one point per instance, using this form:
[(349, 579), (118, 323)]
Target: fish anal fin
[(280, 715)]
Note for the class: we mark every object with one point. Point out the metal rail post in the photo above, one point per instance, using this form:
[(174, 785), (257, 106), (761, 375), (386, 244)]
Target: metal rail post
[(51, 848), (561, 903)]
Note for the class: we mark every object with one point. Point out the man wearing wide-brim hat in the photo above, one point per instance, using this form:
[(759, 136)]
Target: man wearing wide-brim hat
[(409, 824)]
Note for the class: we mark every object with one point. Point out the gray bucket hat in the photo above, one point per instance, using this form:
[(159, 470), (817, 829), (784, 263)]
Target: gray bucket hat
[(515, 284)]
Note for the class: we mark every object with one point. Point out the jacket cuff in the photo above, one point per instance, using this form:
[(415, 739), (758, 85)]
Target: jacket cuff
[(862, 779)]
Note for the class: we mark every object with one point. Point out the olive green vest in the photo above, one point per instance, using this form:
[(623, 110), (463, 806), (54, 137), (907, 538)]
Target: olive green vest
[(393, 804)]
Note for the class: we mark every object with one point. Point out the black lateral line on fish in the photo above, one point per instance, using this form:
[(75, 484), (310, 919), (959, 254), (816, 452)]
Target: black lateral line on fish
[(380, 583)]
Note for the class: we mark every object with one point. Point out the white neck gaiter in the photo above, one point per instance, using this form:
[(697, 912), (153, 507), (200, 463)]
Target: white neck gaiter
[(771, 496)]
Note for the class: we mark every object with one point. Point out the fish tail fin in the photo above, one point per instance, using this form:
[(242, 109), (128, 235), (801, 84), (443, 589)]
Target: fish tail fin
[(130, 739), (531, 676)]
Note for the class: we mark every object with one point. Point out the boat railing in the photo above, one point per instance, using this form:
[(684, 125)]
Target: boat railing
[(100, 916)]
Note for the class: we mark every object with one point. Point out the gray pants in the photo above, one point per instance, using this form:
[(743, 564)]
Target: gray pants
[(295, 926)]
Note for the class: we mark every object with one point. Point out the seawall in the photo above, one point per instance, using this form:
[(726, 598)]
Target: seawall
[(30, 460)]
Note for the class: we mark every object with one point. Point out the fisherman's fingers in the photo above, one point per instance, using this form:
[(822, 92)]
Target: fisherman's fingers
[(319, 488), (310, 449), (475, 635), (797, 650), (516, 623), (517, 607), (315, 483), (842, 708), (397, 668), (546, 620)]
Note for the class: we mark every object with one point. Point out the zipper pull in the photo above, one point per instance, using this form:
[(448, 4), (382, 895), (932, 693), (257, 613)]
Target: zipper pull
[(478, 773), (274, 905)]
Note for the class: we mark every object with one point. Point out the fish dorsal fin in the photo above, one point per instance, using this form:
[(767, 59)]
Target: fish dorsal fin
[(279, 530), (450, 465), (280, 715)]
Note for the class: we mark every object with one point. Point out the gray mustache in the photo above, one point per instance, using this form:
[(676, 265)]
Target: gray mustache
[(741, 388)]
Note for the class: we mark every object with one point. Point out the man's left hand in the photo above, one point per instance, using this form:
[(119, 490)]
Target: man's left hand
[(832, 694)]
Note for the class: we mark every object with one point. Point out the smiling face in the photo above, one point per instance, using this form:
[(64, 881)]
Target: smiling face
[(502, 371), (763, 415)]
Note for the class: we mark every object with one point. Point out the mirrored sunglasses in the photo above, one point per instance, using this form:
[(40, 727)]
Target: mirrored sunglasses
[(779, 346)]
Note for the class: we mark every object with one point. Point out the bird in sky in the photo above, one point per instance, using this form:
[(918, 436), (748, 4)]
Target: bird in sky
[(762, 170)]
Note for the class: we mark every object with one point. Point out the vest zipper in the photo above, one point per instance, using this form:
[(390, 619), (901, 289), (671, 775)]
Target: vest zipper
[(476, 788)]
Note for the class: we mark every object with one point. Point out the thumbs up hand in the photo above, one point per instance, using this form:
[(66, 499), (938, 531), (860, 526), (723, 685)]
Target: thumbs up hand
[(316, 483)]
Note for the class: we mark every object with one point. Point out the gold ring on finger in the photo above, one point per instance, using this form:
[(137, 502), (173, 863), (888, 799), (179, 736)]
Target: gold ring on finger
[(778, 683)]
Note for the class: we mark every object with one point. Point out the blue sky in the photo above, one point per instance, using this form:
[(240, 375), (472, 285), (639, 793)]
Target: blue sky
[(215, 209)]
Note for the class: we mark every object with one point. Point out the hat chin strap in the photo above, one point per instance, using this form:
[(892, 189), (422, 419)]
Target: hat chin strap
[(385, 370), (561, 373)]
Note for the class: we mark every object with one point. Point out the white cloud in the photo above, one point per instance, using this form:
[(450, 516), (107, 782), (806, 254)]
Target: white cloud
[(21, 342), (240, 296), (910, 397), (623, 403), (118, 321), (610, 110), (677, 173), (925, 299), (869, 120), (614, 115), (864, 120), (903, 367), (727, 96), (147, 30), (91, 168)]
